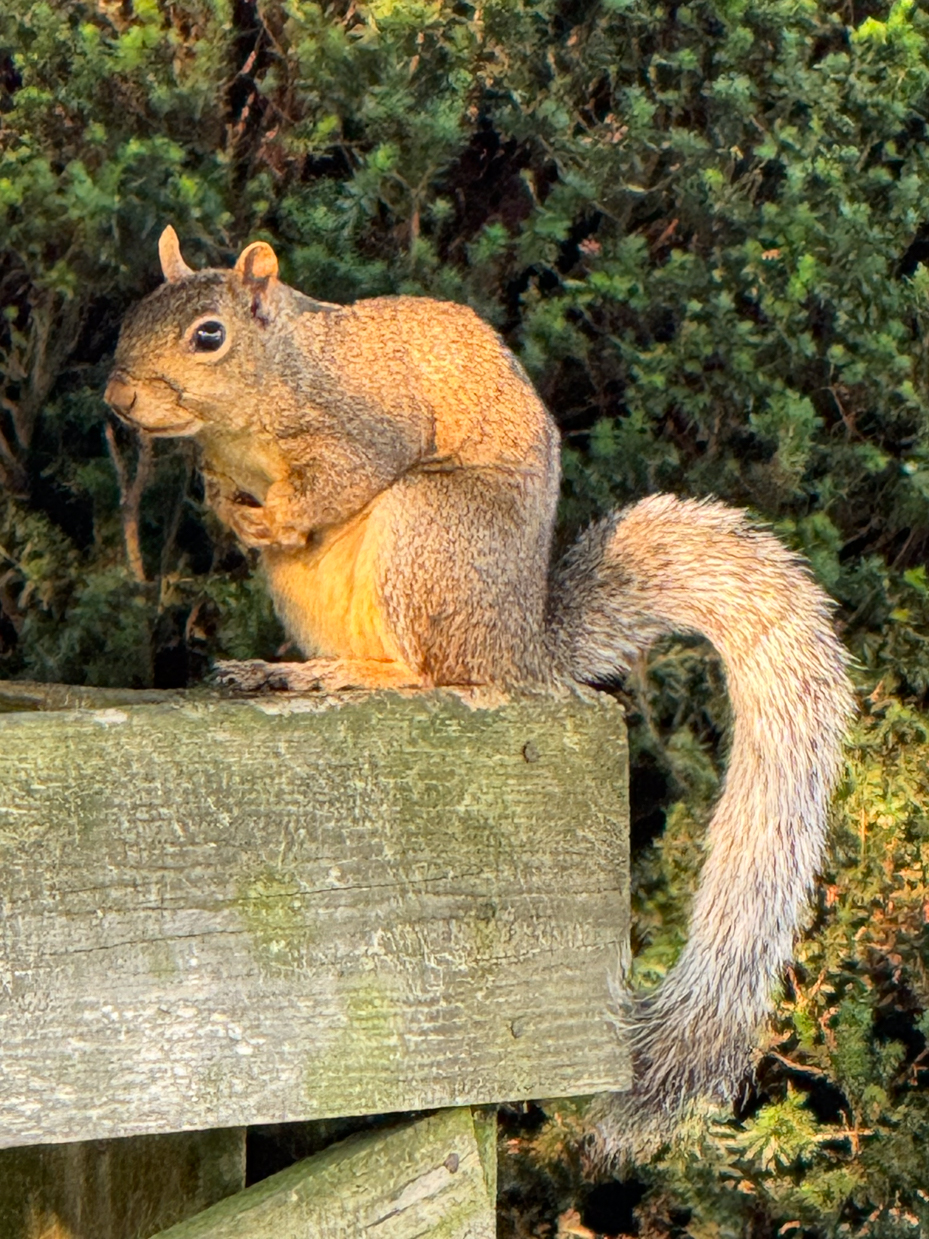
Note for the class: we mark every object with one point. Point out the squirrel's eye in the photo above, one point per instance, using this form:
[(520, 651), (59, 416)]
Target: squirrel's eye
[(209, 337)]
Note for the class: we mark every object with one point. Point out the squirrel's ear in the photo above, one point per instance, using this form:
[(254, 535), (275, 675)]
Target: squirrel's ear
[(173, 266), (257, 261)]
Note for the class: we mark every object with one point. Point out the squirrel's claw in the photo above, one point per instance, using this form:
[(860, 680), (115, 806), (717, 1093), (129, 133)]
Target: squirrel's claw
[(249, 675), (258, 527)]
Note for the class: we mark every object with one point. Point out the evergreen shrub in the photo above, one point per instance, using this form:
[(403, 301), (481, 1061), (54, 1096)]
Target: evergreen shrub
[(702, 228)]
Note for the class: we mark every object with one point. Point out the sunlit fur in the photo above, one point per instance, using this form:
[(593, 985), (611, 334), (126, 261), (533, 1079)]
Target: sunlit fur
[(399, 474)]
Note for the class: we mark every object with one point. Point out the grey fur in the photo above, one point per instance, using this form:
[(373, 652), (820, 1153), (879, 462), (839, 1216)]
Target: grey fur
[(669, 565)]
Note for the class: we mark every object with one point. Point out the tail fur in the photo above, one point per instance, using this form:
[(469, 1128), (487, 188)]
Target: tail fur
[(680, 566)]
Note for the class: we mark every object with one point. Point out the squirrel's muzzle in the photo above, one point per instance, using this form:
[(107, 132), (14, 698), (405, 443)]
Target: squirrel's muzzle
[(152, 405), (120, 395)]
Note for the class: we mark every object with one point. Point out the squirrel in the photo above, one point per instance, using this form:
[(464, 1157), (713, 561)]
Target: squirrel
[(399, 474)]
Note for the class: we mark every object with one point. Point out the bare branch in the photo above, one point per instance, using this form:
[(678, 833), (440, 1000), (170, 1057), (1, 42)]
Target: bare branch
[(118, 462), (8, 606), (12, 474), (130, 496), (53, 332), (169, 549)]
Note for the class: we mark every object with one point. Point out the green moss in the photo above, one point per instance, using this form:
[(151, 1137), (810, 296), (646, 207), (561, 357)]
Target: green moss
[(369, 1043), (274, 914)]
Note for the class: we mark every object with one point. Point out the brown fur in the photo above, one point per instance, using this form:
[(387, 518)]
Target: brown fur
[(399, 474)]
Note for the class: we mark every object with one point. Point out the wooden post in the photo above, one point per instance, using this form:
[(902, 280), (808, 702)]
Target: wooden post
[(436, 1177)]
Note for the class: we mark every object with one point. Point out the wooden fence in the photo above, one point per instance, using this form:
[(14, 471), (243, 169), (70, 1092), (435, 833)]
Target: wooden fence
[(222, 912)]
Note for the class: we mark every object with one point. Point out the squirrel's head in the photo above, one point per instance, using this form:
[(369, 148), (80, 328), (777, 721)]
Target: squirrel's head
[(200, 337)]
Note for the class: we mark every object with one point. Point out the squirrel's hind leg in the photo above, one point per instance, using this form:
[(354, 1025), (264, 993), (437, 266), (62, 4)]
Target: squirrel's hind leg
[(328, 675), (462, 576)]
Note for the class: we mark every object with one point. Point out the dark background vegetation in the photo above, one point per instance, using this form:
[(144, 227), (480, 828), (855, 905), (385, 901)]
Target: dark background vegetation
[(702, 228)]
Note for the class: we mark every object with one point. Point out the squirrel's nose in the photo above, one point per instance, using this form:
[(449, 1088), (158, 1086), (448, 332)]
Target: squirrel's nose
[(119, 394)]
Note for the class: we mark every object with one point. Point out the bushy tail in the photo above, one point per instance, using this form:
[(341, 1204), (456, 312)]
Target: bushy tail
[(679, 566)]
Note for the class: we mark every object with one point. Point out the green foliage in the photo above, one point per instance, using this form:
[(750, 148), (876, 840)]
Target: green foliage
[(833, 1142), (702, 229), (699, 227), (837, 1145)]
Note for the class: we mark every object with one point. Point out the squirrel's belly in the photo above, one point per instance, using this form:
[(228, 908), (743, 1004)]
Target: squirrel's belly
[(327, 595)]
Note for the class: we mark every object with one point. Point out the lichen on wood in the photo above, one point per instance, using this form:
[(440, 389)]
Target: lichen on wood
[(225, 912), (430, 1177)]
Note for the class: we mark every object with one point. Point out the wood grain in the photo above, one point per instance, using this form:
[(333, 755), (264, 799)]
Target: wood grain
[(432, 1177), (217, 913)]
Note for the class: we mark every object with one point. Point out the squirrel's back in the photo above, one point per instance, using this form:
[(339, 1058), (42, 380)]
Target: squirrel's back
[(398, 352)]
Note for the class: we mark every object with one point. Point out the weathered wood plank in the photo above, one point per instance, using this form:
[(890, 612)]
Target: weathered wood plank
[(222, 913), (35, 695), (427, 1178), (117, 1189)]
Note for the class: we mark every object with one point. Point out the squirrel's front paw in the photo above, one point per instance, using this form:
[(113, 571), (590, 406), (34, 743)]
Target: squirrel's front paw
[(278, 521), (257, 527), (249, 525)]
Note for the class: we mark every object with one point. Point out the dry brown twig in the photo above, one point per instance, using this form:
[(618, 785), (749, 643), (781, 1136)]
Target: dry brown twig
[(130, 495)]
